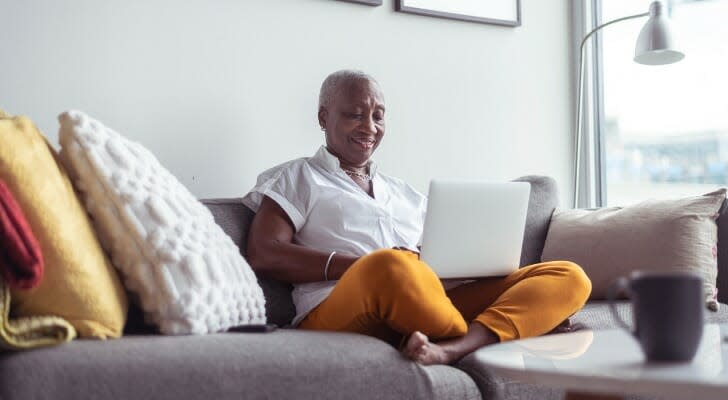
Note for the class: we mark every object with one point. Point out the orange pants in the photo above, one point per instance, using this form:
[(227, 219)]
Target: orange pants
[(390, 294)]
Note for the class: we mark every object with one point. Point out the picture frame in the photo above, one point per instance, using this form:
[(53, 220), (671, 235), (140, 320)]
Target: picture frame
[(495, 12), (374, 3)]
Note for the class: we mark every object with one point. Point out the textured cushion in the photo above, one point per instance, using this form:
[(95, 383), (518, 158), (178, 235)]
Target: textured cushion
[(188, 275), (234, 218), (79, 283), (655, 235), (21, 261), (285, 364)]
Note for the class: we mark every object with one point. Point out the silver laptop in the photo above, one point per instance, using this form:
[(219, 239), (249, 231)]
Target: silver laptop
[(474, 229)]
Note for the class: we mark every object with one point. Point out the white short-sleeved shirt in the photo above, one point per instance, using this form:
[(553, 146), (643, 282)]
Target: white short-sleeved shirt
[(331, 212)]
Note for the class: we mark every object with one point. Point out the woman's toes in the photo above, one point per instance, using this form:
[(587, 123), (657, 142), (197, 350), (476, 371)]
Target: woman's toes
[(421, 350), (416, 342)]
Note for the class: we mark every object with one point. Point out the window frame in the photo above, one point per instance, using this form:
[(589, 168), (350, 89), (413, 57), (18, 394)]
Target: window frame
[(587, 15), (599, 113)]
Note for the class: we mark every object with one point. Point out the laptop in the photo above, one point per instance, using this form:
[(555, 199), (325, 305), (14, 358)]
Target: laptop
[(474, 229)]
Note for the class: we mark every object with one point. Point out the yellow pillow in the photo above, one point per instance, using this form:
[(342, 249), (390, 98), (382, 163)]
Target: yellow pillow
[(79, 283)]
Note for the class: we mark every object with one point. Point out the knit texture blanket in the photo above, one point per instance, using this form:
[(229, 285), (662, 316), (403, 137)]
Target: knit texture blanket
[(30, 332)]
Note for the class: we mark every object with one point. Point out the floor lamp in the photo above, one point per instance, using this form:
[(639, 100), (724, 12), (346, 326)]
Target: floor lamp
[(655, 46)]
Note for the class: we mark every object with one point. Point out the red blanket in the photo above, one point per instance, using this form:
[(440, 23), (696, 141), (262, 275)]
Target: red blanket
[(21, 261)]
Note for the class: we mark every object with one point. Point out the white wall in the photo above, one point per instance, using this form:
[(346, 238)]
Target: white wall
[(220, 90)]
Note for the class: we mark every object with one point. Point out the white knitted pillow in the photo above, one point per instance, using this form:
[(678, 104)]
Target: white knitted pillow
[(188, 275)]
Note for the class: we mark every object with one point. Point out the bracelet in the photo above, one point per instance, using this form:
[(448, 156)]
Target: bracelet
[(328, 264)]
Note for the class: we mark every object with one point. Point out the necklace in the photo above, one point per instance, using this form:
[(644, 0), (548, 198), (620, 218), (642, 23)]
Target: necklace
[(355, 174)]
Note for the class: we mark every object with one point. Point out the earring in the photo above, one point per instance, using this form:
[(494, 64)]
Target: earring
[(323, 129)]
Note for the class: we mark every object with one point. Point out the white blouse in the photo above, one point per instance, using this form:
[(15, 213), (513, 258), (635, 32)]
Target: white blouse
[(331, 212)]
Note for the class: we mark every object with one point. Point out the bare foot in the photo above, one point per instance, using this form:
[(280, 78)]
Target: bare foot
[(420, 349)]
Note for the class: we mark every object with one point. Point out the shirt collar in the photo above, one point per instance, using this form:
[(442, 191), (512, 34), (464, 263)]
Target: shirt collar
[(331, 164)]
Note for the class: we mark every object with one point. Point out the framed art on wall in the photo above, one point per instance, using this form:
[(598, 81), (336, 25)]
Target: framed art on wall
[(367, 2), (497, 12)]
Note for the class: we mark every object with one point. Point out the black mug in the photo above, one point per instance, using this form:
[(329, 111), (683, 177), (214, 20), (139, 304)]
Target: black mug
[(667, 309)]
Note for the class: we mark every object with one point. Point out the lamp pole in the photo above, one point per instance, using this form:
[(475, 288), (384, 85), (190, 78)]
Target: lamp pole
[(654, 47), (579, 105)]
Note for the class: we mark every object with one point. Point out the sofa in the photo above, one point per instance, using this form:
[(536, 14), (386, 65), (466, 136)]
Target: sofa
[(285, 363)]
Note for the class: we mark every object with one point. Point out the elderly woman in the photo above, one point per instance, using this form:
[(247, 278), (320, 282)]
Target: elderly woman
[(342, 233)]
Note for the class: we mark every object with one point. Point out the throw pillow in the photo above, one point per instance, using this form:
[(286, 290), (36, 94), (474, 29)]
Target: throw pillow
[(188, 275), (79, 283), (655, 235)]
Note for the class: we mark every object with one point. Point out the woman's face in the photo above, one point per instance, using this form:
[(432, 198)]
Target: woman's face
[(354, 122)]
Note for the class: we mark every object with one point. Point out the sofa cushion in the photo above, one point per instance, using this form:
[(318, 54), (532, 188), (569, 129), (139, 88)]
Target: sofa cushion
[(654, 235), (279, 365), (79, 283), (596, 315), (187, 274), (234, 218)]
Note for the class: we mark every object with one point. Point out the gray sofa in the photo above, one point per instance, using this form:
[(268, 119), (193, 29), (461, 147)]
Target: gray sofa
[(286, 363)]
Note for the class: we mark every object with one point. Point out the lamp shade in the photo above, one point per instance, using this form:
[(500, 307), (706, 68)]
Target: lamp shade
[(656, 44)]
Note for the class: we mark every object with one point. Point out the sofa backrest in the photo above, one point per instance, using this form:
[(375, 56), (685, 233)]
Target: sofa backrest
[(543, 200), (235, 218)]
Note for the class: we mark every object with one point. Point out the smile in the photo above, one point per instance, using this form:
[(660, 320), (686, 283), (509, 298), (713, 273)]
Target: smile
[(363, 142)]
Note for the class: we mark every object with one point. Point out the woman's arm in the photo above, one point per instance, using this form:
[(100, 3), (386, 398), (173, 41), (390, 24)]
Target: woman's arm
[(272, 253)]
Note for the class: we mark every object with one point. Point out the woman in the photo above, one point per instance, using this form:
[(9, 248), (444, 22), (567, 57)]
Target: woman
[(343, 233)]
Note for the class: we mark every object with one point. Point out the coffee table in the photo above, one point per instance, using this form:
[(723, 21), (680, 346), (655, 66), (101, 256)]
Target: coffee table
[(611, 362)]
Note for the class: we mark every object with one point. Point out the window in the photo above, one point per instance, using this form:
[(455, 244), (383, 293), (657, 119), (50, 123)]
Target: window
[(665, 128)]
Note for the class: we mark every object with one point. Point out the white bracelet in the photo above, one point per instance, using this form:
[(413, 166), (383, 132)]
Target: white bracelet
[(328, 263)]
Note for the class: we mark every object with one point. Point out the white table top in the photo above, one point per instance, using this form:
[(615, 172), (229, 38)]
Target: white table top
[(611, 361)]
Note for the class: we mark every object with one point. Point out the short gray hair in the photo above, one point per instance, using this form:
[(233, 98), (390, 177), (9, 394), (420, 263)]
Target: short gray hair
[(334, 81)]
